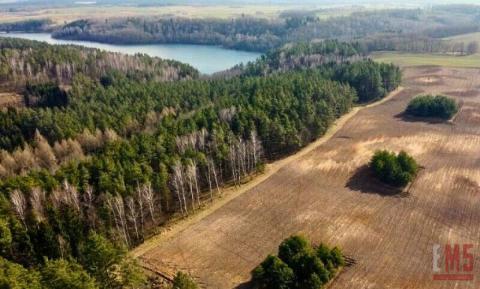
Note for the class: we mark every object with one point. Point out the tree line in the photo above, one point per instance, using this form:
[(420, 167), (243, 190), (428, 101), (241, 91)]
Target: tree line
[(24, 61), (415, 43), (245, 33), (384, 29), (32, 25), (342, 62), (299, 56)]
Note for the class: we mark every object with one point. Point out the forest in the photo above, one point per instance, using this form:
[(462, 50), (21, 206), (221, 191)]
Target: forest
[(33, 25), (343, 62), (408, 30), (89, 171), (299, 56), (23, 61)]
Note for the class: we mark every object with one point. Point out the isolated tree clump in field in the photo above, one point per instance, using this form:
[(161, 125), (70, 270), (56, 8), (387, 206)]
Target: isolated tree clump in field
[(183, 281), (396, 170), (438, 106), (299, 265)]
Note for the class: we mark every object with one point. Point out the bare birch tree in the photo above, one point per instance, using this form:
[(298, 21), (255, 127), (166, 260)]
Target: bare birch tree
[(242, 153), (133, 215), (140, 202), (37, 200), (193, 181), (179, 185), (88, 200), (71, 196), (256, 147), (212, 177), (119, 207), (148, 197), (111, 208), (209, 179), (19, 205), (188, 173), (233, 163)]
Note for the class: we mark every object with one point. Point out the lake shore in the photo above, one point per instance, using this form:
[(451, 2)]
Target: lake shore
[(207, 59)]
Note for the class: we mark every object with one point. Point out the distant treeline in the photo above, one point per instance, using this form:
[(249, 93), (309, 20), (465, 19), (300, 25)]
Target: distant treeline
[(384, 29), (300, 56), (418, 44), (243, 33), (34, 25), (24, 61)]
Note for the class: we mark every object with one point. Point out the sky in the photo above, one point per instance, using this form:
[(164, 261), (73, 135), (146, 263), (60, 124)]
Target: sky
[(226, 2), (15, 3)]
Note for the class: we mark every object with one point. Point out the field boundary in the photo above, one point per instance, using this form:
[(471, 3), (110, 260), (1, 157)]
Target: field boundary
[(179, 225)]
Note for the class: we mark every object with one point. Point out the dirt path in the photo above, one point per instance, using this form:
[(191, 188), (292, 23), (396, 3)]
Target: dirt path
[(231, 193)]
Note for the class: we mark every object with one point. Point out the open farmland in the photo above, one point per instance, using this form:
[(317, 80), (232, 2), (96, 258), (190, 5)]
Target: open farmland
[(327, 195), (66, 14), (465, 37), (423, 59)]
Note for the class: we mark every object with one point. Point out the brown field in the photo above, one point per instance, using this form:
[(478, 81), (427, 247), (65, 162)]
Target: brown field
[(67, 14), (327, 195)]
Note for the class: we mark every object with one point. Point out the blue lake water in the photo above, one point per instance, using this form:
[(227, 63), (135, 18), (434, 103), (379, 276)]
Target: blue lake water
[(207, 59)]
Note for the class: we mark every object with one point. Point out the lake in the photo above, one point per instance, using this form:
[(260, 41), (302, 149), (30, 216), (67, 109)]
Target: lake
[(206, 58)]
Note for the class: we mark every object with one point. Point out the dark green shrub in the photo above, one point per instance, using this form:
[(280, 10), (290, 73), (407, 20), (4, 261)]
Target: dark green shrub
[(331, 258), (60, 274), (292, 247), (183, 281), (298, 266), (45, 95), (273, 273), (13, 275), (396, 170), (439, 106)]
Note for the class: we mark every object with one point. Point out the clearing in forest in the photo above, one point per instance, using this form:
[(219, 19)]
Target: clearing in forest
[(327, 195), (10, 99)]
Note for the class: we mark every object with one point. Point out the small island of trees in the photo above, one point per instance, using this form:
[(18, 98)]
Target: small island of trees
[(299, 265), (438, 106), (183, 281), (395, 170)]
